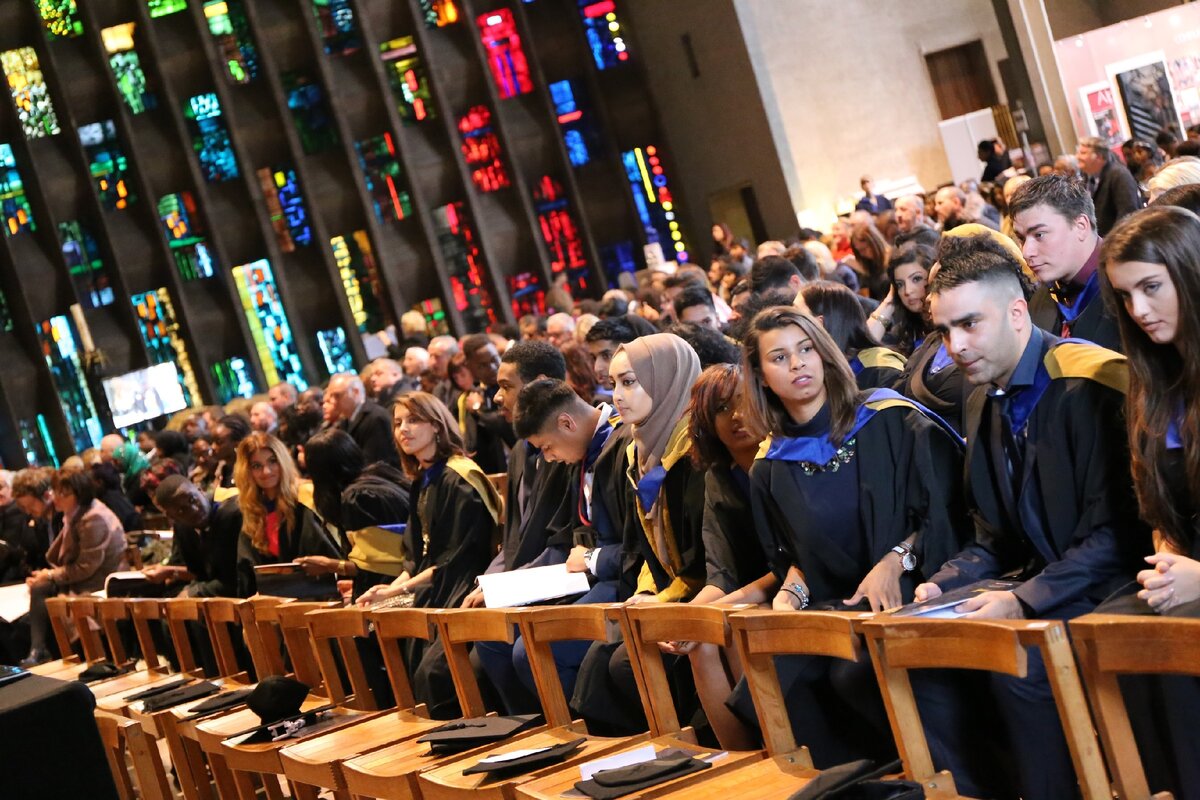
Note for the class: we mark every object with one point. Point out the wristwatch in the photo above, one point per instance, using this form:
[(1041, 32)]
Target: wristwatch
[(797, 591), (908, 559)]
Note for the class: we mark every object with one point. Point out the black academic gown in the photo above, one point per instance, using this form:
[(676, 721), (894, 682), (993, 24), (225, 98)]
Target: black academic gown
[(371, 429), (733, 553), (308, 537), (683, 493), (486, 432), (539, 508), (1095, 323), (932, 379), (211, 554)]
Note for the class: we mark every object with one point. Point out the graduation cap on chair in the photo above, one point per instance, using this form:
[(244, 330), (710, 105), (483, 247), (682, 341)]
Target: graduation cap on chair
[(277, 700)]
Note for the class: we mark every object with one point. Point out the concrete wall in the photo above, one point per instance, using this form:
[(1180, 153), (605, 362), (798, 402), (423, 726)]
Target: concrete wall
[(716, 128), (846, 89)]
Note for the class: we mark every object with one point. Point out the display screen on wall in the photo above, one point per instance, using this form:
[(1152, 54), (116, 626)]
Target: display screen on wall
[(406, 76), (210, 138), (13, 203), (438, 13), (560, 232), (339, 32), (360, 279), (107, 164), (603, 31), (481, 150), (654, 201), (29, 92), (269, 326), (460, 251), (506, 59), (527, 295), (285, 205), (58, 342), (310, 112), (161, 8), (231, 32), (60, 18), (436, 323), (384, 178), (181, 223), (88, 271), (161, 335), (234, 379), (575, 120), (127, 68), (335, 351)]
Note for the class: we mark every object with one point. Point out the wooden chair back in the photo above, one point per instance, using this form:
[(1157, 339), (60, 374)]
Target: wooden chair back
[(145, 613), (83, 613), (342, 626), (458, 628), (1112, 645), (542, 627), (262, 635), (648, 624), (223, 618), (762, 635), (392, 626), (110, 612), (177, 612), (59, 612), (900, 645), (293, 628)]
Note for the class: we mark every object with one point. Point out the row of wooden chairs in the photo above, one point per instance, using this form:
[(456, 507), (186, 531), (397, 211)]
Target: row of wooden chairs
[(362, 751)]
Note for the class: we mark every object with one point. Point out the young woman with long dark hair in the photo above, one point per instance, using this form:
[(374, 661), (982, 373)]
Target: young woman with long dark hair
[(840, 313)]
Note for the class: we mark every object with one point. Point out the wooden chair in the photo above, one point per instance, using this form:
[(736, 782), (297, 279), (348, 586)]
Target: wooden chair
[(643, 627), (111, 693), (123, 738), (319, 761), (72, 614), (1111, 645), (900, 645)]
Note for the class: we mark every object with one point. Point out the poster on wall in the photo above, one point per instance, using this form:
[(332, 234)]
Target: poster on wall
[(1100, 112), (1185, 78), (1147, 99)]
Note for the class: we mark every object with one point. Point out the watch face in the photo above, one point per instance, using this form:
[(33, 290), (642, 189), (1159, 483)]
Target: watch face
[(908, 561)]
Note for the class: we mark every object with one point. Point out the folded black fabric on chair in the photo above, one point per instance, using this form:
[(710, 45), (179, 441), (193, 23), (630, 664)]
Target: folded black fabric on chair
[(465, 734), (100, 671), (526, 763), (608, 784), (859, 780), (153, 690), (179, 696), (221, 702)]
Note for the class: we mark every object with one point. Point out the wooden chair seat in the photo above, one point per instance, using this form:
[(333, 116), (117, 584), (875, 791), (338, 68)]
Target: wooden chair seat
[(264, 757), (767, 779), (69, 613)]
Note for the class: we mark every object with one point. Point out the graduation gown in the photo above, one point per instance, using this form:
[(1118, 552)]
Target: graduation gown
[(1077, 537), (378, 497), (485, 432), (1094, 323), (307, 537), (539, 508), (932, 379), (733, 555), (876, 367), (211, 555)]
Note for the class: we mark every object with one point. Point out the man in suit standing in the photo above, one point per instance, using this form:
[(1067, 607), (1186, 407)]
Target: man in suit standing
[(1113, 188), (346, 405)]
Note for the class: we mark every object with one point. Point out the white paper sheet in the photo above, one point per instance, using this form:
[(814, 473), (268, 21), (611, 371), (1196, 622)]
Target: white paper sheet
[(521, 587), (14, 602)]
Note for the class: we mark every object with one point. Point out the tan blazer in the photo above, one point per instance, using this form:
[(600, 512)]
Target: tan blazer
[(89, 548)]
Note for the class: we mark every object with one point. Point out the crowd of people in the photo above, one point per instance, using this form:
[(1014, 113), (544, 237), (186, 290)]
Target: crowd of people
[(932, 395)]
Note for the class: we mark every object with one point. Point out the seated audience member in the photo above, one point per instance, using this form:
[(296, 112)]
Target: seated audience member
[(1055, 223), (227, 432), (560, 329), (131, 463), (871, 252), (711, 346), (580, 375), (653, 376), (107, 484), (459, 382), (532, 327), (109, 444), (1010, 189), (776, 274), (722, 236), (484, 430), (414, 331), (276, 526), (450, 535), (203, 463), (1181, 171), (602, 342), (193, 426), (357, 500), (995, 157), (910, 216), (901, 320), (346, 406), (839, 312), (855, 500), (694, 305), (383, 380), (771, 247), (24, 536), (1049, 490), (301, 422), (828, 269), (441, 349), (90, 546), (282, 396), (263, 417), (204, 547), (34, 495), (145, 443), (731, 273), (950, 205), (1150, 274), (172, 445), (416, 361)]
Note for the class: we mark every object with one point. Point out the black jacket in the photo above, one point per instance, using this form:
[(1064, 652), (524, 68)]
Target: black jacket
[(1095, 323), (307, 537), (371, 429), (211, 553), (1116, 195), (548, 514)]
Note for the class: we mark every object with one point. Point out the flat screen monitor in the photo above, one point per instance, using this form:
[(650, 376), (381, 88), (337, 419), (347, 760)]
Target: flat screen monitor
[(145, 394)]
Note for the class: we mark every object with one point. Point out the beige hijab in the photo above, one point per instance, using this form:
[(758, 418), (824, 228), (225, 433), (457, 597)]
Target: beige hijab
[(666, 367)]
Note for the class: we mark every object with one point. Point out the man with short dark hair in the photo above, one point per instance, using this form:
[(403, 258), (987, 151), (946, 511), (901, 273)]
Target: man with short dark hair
[(995, 157), (602, 341), (1114, 190), (227, 432), (1048, 484), (203, 560), (874, 203), (1055, 224), (774, 274), (346, 405), (485, 431), (695, 305)]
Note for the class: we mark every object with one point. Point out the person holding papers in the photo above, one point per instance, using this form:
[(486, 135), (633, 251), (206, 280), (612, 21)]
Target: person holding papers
[(451, 533), (276, 527), (1047, 482)]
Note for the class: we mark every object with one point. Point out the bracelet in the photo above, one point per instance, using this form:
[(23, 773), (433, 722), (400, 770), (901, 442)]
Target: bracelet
[(797, 591)]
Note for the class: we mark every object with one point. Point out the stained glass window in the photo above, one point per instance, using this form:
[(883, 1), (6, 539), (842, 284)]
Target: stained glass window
[(210, 138), (60, 17), (360, 278), (164, 342), (339, 31), (560, 232), (29, 92), (57, 337), (406, 75), (384, 177), (310, 112), (616, 259), (435, 316), (603, 31), (161, 8), (107, 163), (13, 202), (285, 205), (574, 116), (335, 351), (233, 379), (439, 13), (36, 442), (456, 238), (231, 31), (481, 149), (269, 327), (506, 59), (127, 68), (88, 270), (527, 295), (181, 223), (655, 204)]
